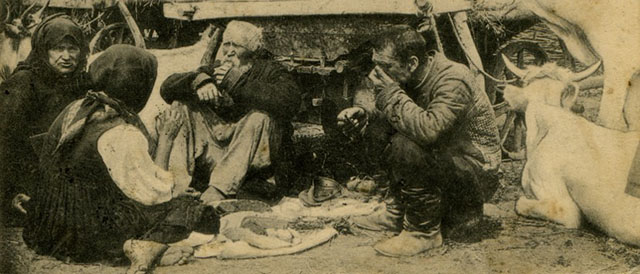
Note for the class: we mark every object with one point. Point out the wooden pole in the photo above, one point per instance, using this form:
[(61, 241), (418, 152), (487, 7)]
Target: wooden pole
[(212, 47), (135, 31), (460, 23), (434, 28)]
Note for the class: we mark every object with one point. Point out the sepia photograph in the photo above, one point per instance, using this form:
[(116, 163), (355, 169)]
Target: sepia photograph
[(319, 136)]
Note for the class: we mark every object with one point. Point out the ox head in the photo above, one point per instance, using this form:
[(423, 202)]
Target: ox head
[(549, 84), (15, 36), (21, 26)]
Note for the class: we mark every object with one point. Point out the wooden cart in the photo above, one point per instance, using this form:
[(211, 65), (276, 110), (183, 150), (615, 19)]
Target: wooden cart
[(325, 41)]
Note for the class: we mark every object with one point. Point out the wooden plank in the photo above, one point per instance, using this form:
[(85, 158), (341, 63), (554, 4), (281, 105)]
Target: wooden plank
[(231, 9), (475, 62), (212, 47), (81, 4)]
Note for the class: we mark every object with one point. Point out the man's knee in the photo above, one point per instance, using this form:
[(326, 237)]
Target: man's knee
[(403, 151), (260, 123), (258, 118), (185, 106), (189, 109)]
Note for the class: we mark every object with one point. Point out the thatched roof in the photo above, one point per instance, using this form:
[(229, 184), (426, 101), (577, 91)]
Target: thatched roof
[(495, 14), (499, 10)]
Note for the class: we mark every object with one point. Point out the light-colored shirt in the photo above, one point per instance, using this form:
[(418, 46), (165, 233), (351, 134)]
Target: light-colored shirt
[(124, 151)]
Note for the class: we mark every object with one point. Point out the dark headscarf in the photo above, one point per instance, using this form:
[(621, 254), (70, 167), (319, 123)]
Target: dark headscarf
[(125, 73), (123, 77), (50, 32)]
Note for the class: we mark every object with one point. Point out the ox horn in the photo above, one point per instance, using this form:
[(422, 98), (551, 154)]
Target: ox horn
[(8, 18), (579, 76), (513, 68), (22, 16), (38, 14)]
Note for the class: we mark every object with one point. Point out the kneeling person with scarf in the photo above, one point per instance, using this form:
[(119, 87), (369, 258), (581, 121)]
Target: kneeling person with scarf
[(104, 193)]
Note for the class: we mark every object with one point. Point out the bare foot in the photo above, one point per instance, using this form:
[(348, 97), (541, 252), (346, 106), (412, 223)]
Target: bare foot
[(176, 255), (143, 255)]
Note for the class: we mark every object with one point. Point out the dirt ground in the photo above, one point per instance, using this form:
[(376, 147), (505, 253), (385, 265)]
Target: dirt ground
[(503, 243)]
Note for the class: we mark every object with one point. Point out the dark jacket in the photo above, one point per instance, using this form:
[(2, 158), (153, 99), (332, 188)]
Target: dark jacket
[(28, 105), (267, 86), (30, 100), (447, 113)]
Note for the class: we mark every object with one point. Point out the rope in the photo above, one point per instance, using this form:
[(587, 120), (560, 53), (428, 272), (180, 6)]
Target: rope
[(466, 53)]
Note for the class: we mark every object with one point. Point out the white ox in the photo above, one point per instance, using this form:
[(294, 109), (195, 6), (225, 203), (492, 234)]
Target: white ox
[(15, 37), (608, 30), (575, 169)]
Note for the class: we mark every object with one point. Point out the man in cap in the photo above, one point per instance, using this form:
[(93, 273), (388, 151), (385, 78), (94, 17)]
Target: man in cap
[(443, 154), (238, 113)]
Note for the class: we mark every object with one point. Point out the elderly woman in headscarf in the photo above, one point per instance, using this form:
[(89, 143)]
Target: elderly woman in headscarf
[(108, 189), (52, 76)]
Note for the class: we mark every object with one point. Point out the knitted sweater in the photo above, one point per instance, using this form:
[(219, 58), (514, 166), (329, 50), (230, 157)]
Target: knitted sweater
[(447, 113)]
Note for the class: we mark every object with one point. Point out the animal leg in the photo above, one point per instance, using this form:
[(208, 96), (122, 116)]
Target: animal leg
[(564, 212)]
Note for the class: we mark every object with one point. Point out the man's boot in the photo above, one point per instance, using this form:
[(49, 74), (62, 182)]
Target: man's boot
[(421, 224), (409, 243), (381, 220), (388, 218), (143, 255)]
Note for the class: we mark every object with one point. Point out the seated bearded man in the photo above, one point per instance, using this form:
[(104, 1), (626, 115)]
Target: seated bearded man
[(443, 149), (107, 188), (237, 115)]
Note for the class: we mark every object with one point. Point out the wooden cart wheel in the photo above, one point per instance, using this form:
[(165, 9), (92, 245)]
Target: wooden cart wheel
[(116, 33), (512, 132)]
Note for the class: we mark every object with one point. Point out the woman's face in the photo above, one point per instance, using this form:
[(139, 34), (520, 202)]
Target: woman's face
[(63, 57)]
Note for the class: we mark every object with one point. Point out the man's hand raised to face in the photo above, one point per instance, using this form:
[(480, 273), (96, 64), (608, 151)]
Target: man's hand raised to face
[(380, 79), (220, 72)]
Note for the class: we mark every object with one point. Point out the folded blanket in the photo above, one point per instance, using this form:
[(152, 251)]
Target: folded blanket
[(266, 233), (226, 249)]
